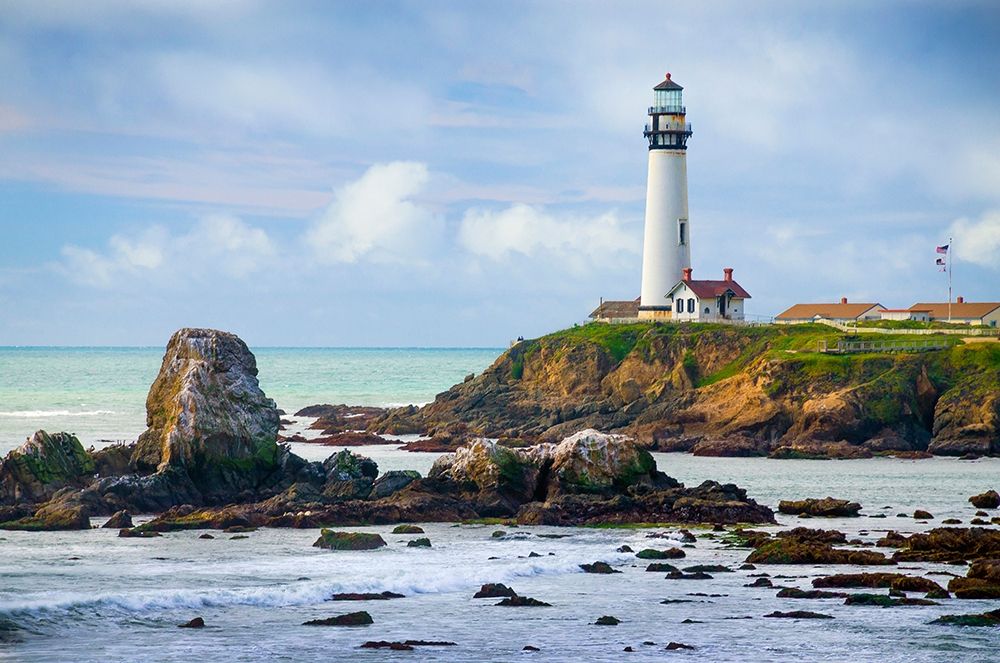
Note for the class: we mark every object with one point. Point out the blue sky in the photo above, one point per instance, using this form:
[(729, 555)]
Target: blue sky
[(461, 173)]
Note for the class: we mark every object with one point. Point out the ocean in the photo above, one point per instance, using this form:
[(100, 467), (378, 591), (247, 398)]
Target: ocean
[(100, 393), (91, 596)]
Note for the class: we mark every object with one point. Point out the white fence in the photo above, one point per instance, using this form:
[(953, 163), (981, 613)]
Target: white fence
[(970, 331)]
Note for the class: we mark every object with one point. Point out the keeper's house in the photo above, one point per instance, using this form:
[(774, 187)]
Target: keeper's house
[(706, 300), (842, 312), (986, 314)]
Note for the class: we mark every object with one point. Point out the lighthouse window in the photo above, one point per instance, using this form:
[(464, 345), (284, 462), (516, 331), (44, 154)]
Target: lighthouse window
[(682, 232), (690, 306)]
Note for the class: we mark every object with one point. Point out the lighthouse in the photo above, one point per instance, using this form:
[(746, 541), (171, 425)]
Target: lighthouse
[(666, 247)]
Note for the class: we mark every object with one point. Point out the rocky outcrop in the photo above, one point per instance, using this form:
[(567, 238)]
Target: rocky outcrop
[(726, 391), (206, 410), (42, 466), (826, 507)]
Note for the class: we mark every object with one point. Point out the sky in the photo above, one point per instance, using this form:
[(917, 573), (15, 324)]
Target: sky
[(463, 173)]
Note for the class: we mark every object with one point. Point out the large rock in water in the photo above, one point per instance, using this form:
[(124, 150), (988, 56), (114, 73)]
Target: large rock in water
[(40, 467), (593, 462), (205, 410)]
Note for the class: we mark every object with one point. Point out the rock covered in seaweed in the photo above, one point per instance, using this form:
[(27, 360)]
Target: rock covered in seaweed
[(43, 465)]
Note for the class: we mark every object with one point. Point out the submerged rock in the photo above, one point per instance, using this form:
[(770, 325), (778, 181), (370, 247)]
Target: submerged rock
[(380, 596), (332, 540), (360, 618), (798, 614), (796, 593), (422, 542), (883, 601), (524, 602), (991, 618), (669, 553), (790, 551), (197, 622), (608, 620)]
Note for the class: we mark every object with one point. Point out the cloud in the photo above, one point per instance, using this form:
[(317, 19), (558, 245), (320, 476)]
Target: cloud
[(374, 217), (978, 242), (218, 243), (530, 231)]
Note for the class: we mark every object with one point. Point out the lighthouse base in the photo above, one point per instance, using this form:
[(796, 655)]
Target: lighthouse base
[(661, 313)]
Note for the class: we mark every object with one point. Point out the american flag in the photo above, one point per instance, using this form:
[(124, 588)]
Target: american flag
[(943, 249)]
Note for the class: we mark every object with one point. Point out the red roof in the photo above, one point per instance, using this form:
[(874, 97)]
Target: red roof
[(707, 289)]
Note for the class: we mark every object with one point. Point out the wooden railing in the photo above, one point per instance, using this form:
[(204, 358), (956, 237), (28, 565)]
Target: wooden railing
[(846, 347)]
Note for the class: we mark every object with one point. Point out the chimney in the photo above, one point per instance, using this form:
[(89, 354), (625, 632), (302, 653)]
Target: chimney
[(686, 274), (843, 300), (728, 271), (960, 300)]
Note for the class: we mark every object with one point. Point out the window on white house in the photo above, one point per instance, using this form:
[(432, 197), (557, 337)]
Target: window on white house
[(691, 305), (707, 310), (682, 238)]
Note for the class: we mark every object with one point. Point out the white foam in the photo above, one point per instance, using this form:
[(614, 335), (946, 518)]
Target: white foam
[(40, 414)]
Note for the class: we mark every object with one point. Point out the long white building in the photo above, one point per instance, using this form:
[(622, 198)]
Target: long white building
[(666, 249)]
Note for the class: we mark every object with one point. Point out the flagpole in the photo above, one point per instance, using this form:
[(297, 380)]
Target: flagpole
[(949, 278)]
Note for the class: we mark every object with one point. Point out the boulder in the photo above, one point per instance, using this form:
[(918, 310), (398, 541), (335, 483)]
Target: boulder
[(988, 500), (991, 618), (422, 542), (197, 622), (512, 474), (883, 601), (652, 553), (369, 596), (206, 413), (66, 514), (524, 602), (608, 620), (42, 466), (349, 476), (791, 551), (598, 567), (796, 593), (407, 529), (118, 520), (593, 462), (393, 481), (920, 514), (825, 507), (798, 614), (494, 590), (943, 544), (331, 540)]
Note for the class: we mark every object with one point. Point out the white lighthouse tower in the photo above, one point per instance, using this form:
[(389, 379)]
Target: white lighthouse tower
[(666, 248)]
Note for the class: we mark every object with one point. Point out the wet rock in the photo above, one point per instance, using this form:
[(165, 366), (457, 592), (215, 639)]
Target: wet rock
[(988, 500), (796, 593), (920, 514), (206, 536), (951, 521), (239, 529), (524, 602), (136, 533), (197, 622), (530, 648), (360, 618), (624, 549), (63, 512), (598, 567), (708, 568), (798, 614), (355, 596), (652, 553), (897, 581), (826, 507), (672, 646), (991, 618), (790, 551), (349, 476), (943, 544), (607, 620), (808, 534), (661, 567), (883, 601), (406, 645), (350, 439), (974, 588), (332, 540), (422, 542), (680, 575), (119, 520), (494, 590), (761, 582), (498, 534)]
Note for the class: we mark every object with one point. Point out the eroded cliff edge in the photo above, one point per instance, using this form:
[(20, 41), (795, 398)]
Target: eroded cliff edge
[(726, 390)]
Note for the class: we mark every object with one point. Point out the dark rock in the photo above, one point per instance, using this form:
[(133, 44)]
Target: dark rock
[(42, 466), (422, 542), (393, 481), (943, 544), (360, 618), (790, 551), (407, 529), (677, 645), (669, 553), (988, 500), (494, 591), (197, 622), (607, 620), (679, 575), (206, 536), (883, 601), (807, 534), (348, 540), (661, 567), (708, 568), (530, 648), (524, 602), (624, 549), (920, 514), (353, 596), (991, 618), (118, 520), (795, 593), (799, 614), (136, 533), (598, 567), (827, 507), (897, 581), (761, 582)]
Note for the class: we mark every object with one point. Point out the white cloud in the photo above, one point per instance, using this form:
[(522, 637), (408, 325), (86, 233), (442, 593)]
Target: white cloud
[(978, 242), (374, 217), (531, 231), (216, 244)]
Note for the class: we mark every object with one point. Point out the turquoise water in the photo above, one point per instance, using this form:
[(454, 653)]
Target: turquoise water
[(100, 393)]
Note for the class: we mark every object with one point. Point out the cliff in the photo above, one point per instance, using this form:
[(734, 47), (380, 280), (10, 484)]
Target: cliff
[(725, 390)]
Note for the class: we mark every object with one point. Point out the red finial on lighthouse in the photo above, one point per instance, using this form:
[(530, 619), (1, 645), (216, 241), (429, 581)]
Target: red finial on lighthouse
[(668, 75)]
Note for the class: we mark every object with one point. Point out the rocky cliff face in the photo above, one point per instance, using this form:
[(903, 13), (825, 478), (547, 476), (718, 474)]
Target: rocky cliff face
[(718, 390), (206, 406)]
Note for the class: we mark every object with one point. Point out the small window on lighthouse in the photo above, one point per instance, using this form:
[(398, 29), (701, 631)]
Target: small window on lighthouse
[(682, 238)]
